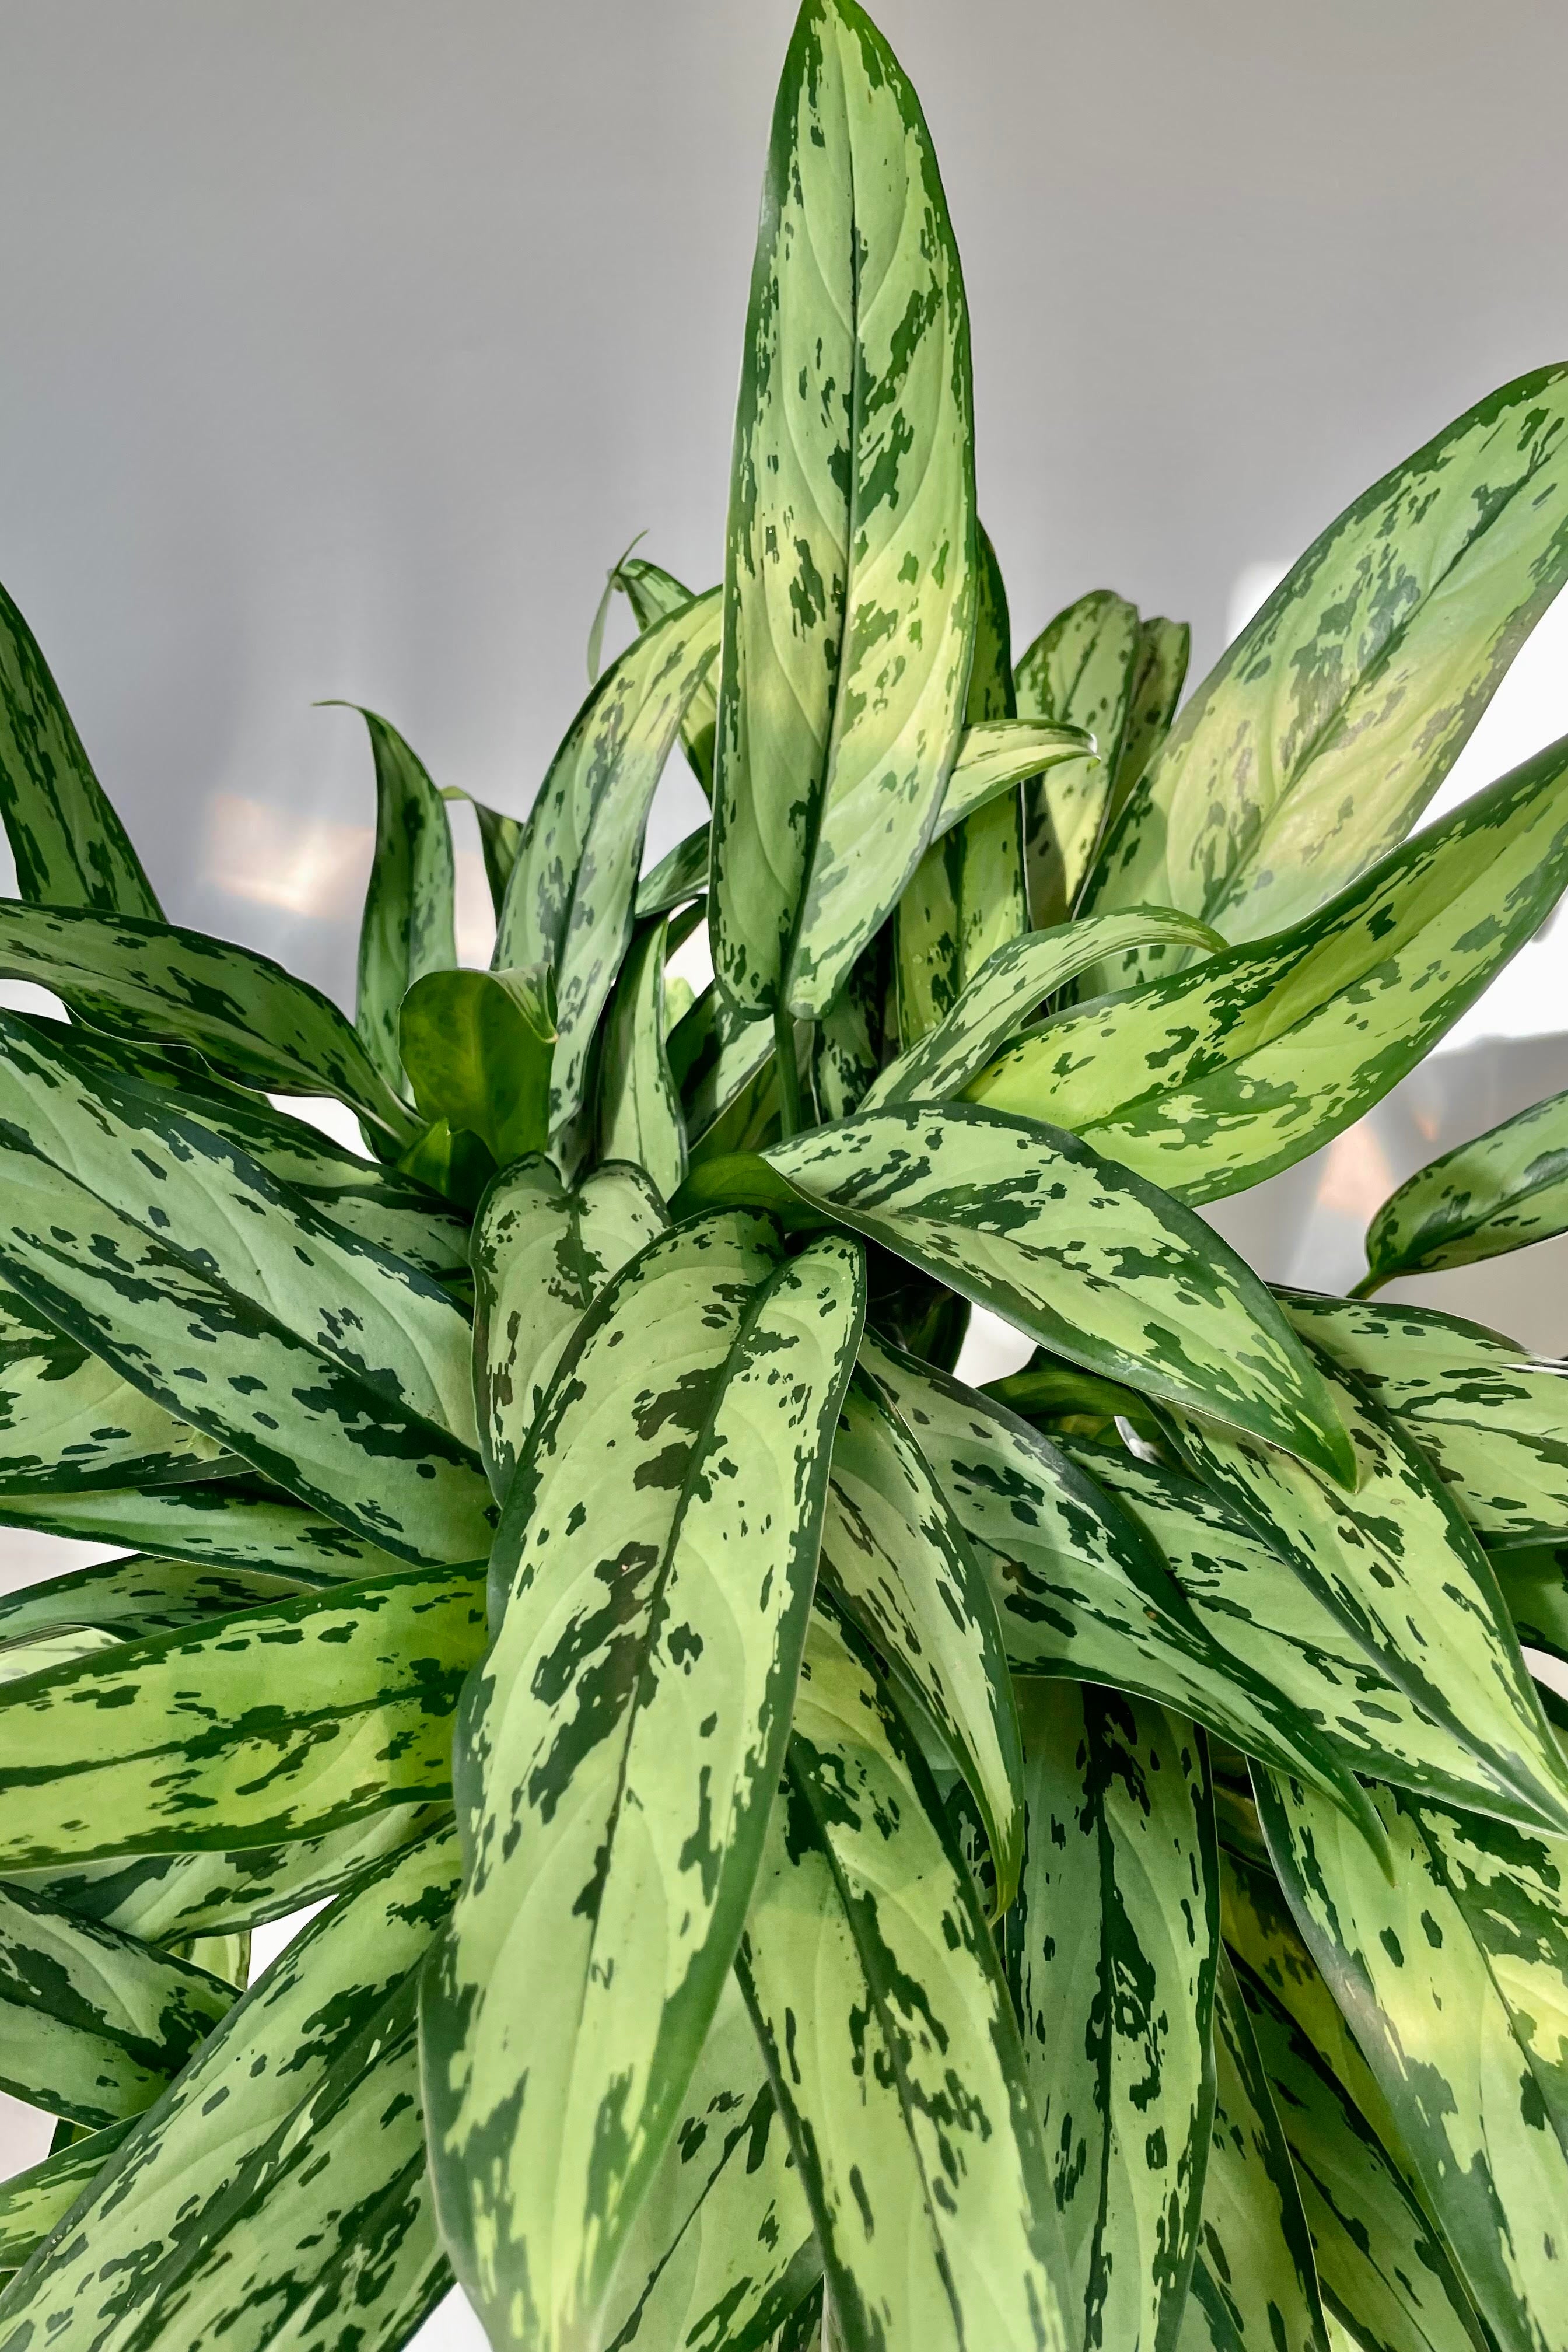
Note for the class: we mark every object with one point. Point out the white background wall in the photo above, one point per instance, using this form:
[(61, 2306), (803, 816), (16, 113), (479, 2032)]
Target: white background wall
[(342, 347)]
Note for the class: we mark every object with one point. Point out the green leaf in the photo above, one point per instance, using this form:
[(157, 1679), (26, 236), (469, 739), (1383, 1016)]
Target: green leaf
[(890, 2040), (850, 574), (1489, 1419), (478, 1048), (1161, 670), (1213, 1078), (1255, 2285), (653, 594), (68, 1423), (279, 1723), (639, 1109), (895, 1556), (682, 876), (31, 2202), (1090, 1261), (714, 1055), (407, 929), (1006, 989), (211, 2179), (848, 1043), (723, 2248), (154, 985), (1500, 1192), (996, 755), (1404, 1574), (499, 836), (1318, 739), (70, 848), (542, 1253), (218, 1524), (1080, 671), (1534, 1584), (1383, 2272), (136, 1596), (621, 1745), (1112, 1953), (570, 901), (1453, 1980)]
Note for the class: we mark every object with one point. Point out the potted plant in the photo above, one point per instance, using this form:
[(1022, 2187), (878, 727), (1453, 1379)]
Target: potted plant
[(805, 1847)]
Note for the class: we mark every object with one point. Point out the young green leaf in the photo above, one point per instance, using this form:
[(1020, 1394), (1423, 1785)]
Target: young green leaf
[(639, 1109), (849, 575), (185, 1738), (1080, 671), (570, 900), (542, 1253), (1088, 1259), (477, 1047), (889, 2037), (407, 929), (68, 1423), (1215, 1078), (897, 1558), (1500, 1192), (650, 1586), (1534, 1584), (1112, 1953), (70, 847), (1325, 728)]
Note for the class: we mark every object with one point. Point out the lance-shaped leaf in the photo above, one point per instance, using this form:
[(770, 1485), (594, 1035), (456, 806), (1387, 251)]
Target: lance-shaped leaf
[(218, 1524), (1383, 2271), (1081, 1591), (1159, 674), (134, 1596), (1454, 1980), (1405, 1575), (683, 875), (1112, 1954), (1215, 1078), (499, 837), (639, 1109), (1534, 1584), (478, 1047), (281, 1722), (850, 578), (996, 755), (32, 2203), (70, 847), (300, 1417), (1089, 1260), (1010, 986), (1500, 1192), (889, 2037), (848, 1043), (1255, 2284), (1493, 1423), (570, 901), (227, 1218), (67, 1422), (653, 594), (902, 1567), (1323, 731), (93, 2023), (621, 1745), (406, 929), (714, 1054), (542, 1253), (183, 2175), (723, 2248), (157, 986), (1080, 671)]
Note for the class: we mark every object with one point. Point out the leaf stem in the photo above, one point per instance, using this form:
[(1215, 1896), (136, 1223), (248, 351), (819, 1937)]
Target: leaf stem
[(792, 1115)]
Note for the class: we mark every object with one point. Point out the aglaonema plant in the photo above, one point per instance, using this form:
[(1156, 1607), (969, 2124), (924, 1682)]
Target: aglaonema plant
[(807, 1848)]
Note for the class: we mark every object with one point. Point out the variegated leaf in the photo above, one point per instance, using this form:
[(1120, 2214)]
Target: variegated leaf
[(1500, 1192), (850, 578), (216, 1524), (641, 1118), (499, 837), (1079, 671), (136, 1596), (1089, 1260), (1112, 1952), (93, 2022), (406, 929), (618, 1750), (722, 2249), (1255, 2284), (70, 849), (900, 1562), (714, 1054), (125, 2261), (682, 876), (653, 594), (996, 755), (1453, 1980), (1493, 1422), (570, 900), (33, 2201), (848, 1043), (157, 986), (1210, 1080), (891, 2044), (68, 1423), (542, 1253), (281, 1722), (1321, 733), (1398, 1567), (1159, 674)]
